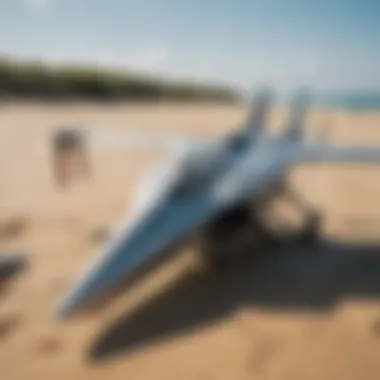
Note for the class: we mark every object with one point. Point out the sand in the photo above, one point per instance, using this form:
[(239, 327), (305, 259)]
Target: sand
[(301, 315)]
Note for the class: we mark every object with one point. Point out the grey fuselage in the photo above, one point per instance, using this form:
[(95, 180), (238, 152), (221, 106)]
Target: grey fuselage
[(228, 169), (177, 198), (201, 181)]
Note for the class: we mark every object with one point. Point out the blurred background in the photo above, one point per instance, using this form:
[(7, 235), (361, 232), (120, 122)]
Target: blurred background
[(138, 49), (186, 68)]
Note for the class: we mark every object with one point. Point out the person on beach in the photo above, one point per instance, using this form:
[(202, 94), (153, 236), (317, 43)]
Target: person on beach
[(69, 157)]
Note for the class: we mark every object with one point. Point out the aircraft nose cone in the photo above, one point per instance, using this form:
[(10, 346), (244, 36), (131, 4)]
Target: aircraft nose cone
[(137, 243), (67, 307), (73, 301), (63, 311)]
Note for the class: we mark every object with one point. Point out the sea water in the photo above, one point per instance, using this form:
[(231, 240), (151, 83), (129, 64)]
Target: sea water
[(353, 101)]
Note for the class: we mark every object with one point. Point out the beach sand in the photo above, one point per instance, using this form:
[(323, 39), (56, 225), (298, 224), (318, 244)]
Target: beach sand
[(309, 315)]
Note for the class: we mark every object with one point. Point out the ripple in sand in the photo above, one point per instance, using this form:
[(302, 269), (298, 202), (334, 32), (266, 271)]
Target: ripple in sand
[(71, 223), (265, 352), (8, 324)]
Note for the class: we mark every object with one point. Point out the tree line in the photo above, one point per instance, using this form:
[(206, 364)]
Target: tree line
[(35, 79)]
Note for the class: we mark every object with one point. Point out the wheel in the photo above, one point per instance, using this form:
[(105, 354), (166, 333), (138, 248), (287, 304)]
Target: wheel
[(312, 230), (231, 238), (213, 254)]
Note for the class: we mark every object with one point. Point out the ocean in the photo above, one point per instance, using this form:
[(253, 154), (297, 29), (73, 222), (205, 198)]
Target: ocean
[(353, 101)]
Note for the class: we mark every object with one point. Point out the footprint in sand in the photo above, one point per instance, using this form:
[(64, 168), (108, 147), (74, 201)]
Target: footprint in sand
[(99, 235), (49, 345), (13, 227), (8, 324), (375, 328)]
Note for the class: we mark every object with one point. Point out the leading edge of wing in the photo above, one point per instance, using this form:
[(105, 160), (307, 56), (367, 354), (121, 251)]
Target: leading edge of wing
[(134, 244)]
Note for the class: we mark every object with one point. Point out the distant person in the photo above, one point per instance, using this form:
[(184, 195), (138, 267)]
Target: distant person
[(69, 156)]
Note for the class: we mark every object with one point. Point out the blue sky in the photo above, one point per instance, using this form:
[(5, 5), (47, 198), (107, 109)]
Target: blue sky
[(324, 44)]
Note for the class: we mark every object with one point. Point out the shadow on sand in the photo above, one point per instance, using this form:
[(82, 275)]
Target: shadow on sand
[(10, 266), (291, 279)]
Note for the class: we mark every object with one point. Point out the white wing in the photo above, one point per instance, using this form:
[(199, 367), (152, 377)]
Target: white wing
[(328, 153), (259, 112)]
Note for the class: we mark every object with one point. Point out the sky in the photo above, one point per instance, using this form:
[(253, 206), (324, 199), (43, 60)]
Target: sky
[(323, 44)]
